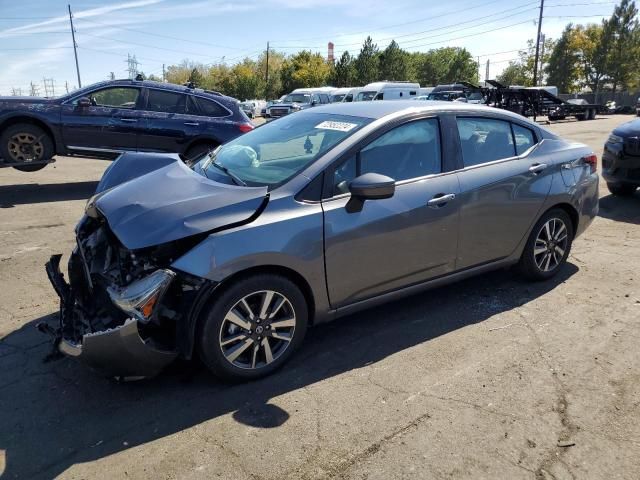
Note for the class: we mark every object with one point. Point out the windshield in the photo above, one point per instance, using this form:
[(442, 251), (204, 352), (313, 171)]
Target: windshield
[(365, 96), (297, 98), (275, 152)]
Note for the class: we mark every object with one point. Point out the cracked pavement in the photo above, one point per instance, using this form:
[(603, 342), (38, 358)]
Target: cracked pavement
[(488, 378)]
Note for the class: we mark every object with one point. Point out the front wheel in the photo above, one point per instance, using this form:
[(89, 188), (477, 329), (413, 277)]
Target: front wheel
[(621, 189), (253, 328), (548, 246), (25, 143)]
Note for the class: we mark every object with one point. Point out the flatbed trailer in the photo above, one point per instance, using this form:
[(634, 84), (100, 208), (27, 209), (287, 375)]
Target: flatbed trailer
[(536, 102)]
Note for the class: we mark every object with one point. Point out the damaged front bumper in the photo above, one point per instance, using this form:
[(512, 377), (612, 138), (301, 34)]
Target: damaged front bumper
[(121, 351)]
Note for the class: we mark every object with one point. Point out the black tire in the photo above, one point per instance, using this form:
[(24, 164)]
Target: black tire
[(621, 189), (42, 148), (528, 265), (214, 327), (196, 152)]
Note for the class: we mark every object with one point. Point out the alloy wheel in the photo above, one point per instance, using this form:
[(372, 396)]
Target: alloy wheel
[(25, 147), (257, 330), (550, 245)]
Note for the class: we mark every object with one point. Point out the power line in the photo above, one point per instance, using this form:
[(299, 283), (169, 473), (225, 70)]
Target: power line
[(190, 41), (439, 28)]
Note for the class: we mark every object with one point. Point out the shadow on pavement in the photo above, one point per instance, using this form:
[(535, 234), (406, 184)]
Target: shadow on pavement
[(621, 209), (57, 414), (12, 195)]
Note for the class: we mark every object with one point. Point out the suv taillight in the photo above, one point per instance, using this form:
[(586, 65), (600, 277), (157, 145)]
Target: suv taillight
[(592, 161), (245, 127)]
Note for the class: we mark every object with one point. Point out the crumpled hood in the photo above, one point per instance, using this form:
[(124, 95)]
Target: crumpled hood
[(174, 202)]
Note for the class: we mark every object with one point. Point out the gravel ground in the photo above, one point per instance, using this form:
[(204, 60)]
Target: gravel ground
[(489, 378)]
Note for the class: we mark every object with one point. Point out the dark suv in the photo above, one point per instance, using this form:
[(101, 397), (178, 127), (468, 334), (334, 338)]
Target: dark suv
[(621, 159), (107, 118)]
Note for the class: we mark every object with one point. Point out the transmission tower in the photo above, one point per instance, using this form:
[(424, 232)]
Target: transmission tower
[(35, 90), (49, 89), (132, 66)]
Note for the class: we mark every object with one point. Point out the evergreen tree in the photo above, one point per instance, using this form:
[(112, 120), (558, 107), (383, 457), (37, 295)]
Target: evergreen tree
[(367, 64), (344, 73), (394, 63)]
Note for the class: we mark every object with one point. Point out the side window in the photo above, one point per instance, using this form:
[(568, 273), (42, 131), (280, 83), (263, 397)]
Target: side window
[(379, 96), (348, 98), (117, 97), (315, 98), (192, 106), (484, 140), (209, 108), (524, 138), (408, 151), (324, 98), (168, 102)]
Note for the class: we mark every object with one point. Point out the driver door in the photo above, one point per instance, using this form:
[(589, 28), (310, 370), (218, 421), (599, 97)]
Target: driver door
[(111, 123), (396, 242)]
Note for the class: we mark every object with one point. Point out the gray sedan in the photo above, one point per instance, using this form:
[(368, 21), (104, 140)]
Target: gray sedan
[(313, 216)]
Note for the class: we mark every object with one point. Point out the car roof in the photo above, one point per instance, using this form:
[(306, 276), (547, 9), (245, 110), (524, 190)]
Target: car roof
[(382, 108), (159, 85)]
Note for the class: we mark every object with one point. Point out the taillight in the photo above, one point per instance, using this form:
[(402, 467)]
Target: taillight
[(592, 161), (245, 127)]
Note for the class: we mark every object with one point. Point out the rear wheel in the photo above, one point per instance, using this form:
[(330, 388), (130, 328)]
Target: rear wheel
[(548, 246), (253, 328), (25, 143), (196, 152), (621, 189)]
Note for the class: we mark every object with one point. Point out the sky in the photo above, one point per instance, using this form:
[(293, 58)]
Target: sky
[(36, 43)]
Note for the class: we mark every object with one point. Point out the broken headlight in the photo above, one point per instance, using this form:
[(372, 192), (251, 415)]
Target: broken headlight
[(140, 298)]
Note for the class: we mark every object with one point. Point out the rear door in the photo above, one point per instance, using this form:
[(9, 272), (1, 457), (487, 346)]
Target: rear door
[(503, 186), (111, 123), (392, 243), (167, 127)]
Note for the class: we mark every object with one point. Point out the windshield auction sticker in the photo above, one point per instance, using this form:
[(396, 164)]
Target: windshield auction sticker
[(339, 126)]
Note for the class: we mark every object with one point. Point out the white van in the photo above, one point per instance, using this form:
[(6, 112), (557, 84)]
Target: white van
[(352, 94), (388, 91), (338, 94)]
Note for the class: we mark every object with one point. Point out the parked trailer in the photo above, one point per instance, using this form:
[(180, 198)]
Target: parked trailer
[(535, 102)]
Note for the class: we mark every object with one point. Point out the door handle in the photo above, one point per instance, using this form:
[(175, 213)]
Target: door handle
[(537, 167), (441, 199), (129, 120), (192, 124)]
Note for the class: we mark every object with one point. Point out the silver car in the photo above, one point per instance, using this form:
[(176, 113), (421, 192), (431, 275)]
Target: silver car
[(313, 216)]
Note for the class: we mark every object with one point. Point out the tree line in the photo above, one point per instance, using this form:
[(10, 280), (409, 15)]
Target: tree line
[(599, 57), (247, 79)]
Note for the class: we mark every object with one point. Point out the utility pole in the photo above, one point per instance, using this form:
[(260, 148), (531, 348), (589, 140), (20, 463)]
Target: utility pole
[(542, 40), (535, 63), (266, 81), (164, 77), (75, 46), (66, 86), (486, 73)]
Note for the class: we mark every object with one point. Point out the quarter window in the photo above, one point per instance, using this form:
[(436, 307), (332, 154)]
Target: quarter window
[(485, 140), (408, 151), (117, 97), (209, 108), (524, 138), (167, 102)]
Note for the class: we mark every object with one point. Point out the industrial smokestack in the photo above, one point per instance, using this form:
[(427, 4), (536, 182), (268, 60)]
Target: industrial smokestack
[(330, 57)]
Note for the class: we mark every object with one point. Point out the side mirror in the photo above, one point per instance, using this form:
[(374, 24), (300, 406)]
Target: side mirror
[(84, 102), (372, 186)]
